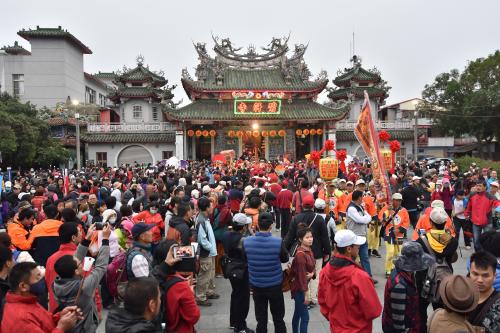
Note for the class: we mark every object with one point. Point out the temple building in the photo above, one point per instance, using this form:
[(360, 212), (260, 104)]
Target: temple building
[(350, 85), (259, 104), (132, 130)]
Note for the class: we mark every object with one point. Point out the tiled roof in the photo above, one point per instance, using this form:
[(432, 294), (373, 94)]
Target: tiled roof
[(129, 137), (58, 121), (124, 91), (106, 75), (95, 79), (255, 79), (141, 73), (342, 93), (54, 33), (395, 135), (16, 49), (357, 74), (297, 110)]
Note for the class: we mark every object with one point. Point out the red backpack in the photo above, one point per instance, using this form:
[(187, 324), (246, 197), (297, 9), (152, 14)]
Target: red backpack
[(116, 275)]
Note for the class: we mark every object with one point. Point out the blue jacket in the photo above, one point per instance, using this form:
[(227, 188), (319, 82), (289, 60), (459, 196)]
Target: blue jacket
[(265, 253)]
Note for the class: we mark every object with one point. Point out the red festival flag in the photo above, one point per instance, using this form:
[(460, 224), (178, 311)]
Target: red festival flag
[(368, 138)]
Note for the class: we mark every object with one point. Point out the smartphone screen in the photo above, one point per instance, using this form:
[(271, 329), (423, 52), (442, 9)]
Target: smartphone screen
[(184, 252)]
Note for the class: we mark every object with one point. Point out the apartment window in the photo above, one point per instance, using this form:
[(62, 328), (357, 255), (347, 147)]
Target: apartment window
[(166, 154), (102, 100), (155, 113), (102, 158), (18, 84), (90, 95), (137, 112)]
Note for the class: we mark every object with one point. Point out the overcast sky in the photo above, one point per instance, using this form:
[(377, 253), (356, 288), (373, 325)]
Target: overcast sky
[(409, 41)]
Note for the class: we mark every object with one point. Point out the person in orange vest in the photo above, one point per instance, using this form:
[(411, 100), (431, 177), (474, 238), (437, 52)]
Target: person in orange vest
[(424, 224), (344, 199), (396, 221)]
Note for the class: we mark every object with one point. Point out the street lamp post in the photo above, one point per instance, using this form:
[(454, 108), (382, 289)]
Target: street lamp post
[(77, 118), (415, 134)]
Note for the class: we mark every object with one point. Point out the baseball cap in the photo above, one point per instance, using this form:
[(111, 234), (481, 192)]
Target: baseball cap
[(397, 196), (206, 189), (222, 183), (416, 178), (350, 183), (248, 189), (308, 201), (438, 215), (140, 228), (494, 184), (360, 181), (242, 219), (342, 180), (344, 238), (17, 186), (8, 184), (320, 203)]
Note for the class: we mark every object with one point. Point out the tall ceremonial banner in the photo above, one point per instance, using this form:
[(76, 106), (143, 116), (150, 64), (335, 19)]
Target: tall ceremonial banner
[(368, 138)]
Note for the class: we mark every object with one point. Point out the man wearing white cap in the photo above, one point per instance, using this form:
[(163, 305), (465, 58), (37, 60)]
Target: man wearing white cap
[(337, 281), (440, 244), (424, 223), (240, 295)]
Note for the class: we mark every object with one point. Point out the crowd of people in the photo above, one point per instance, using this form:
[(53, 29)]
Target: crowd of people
[(146, 244)]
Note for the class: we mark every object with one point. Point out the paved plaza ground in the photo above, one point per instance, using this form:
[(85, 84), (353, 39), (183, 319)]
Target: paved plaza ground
[(215, 319)]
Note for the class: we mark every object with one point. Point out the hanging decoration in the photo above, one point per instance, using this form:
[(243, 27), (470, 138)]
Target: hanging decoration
[(212, 133), (255, 134), (328, 168), (319, 131), (315, 156), (197, 133), (272, 133), (387, 158), (231, 134), (281, 133), (384, 136), (190, 132), (264, 133), (298, 132), (239, 134), (312, 132), (341, 156), (305, 132), (205, 133)]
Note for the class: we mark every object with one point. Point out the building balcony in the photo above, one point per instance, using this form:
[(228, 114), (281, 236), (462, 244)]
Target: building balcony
[(156, 127), (445, 141), (379, 125), (464, 141)]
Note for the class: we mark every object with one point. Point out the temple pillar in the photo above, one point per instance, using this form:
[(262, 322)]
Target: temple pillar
[(179, 144), (330, 133), (290, 144)]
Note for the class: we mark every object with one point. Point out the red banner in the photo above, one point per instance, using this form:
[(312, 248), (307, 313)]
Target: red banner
[(368, 138)]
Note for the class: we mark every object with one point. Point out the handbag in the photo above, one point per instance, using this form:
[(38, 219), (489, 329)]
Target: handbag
[(232, 268)]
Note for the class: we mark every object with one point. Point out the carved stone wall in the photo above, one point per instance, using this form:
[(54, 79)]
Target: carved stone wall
[(290, 143), (276, 147)]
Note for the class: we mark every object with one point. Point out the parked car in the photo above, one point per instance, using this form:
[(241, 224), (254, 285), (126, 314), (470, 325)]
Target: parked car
[(434, 163)]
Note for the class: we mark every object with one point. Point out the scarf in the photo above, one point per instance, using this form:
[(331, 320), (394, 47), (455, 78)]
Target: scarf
[(438, 239)]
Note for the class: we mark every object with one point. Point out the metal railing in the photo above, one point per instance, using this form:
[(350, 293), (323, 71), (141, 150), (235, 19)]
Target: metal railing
[(389, 125), (130, 127)]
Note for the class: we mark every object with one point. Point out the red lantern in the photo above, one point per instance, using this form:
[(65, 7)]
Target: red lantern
[(328, 168), (281, 133), (231, 134), (313, 131), (205, 133), (248, 133), (190, 132), (239, 134), (255, 134), (265, 133), (272, 133), (298, 132), (212, 133), (197, 133), (319, 131), (305, 132)]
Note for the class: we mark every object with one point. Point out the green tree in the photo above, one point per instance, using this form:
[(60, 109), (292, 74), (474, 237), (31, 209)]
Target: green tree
[(24, 139), (467, 102)]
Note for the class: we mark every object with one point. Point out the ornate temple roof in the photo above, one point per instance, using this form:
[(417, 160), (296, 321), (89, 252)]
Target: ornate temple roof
[(16, 49), (397, 135), (222, 111), (142, 74), (358, 92), (234, 69), (152, 84), (357, 74), (54, 33)]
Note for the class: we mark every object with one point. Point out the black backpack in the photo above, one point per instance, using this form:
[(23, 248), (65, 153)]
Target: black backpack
[(165, 286)]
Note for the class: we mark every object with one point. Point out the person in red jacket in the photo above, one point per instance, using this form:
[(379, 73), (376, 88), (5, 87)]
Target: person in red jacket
[(342, 284), (22, 313), (284, 203), (181, 311), (152, 216), (479, 210)]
